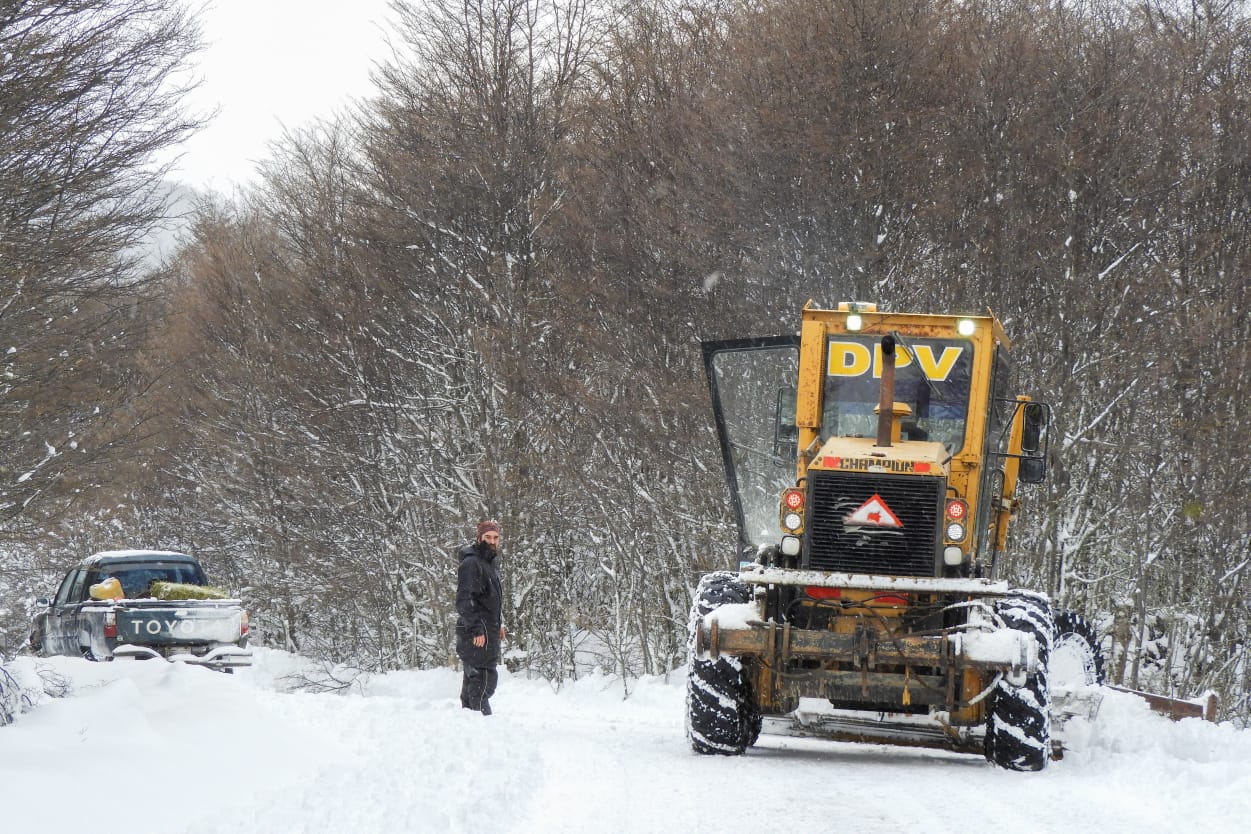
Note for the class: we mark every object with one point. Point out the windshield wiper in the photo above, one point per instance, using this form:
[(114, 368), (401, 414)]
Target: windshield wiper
[(908, 345)]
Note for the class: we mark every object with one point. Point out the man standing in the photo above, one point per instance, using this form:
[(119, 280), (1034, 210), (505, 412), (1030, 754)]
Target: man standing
[(479, 627)]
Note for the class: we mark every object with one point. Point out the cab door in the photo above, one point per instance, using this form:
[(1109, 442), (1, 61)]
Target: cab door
[(753, 383), (62, 624)]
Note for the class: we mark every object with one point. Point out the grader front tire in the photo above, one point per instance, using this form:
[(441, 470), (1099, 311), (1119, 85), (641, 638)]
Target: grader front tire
[(1018, 727), (721, 713)]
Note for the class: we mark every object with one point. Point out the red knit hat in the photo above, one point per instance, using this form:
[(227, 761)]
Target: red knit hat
[(488, 526)]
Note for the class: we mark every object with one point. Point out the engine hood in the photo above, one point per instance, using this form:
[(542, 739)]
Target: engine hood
[(862, 454)]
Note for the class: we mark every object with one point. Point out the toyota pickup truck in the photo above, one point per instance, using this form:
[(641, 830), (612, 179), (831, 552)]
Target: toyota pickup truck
[(106, 608)]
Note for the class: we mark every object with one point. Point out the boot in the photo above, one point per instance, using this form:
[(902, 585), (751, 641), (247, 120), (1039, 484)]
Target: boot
[(471, 694)]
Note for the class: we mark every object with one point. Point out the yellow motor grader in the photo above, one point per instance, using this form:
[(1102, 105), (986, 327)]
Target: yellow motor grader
[(874, 461)]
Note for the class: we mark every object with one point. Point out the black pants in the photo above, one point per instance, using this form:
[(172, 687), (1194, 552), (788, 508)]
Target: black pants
[(477, 686)]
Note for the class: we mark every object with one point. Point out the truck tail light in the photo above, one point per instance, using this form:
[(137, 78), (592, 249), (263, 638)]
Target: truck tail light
[(243, 624), (110, 625)]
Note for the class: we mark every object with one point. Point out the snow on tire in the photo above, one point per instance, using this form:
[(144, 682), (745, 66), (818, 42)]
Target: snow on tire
[(721, 715), (1018, 726)]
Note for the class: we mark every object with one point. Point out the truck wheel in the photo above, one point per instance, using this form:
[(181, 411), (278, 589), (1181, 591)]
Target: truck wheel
[(721, 713), (1018, 725), (1076, 658)]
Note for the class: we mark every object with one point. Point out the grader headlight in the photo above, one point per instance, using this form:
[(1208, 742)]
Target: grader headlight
[(957, 509), (956, 517), (792, 516)]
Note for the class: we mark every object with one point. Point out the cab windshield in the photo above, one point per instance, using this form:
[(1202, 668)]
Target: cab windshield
[(934, 383)]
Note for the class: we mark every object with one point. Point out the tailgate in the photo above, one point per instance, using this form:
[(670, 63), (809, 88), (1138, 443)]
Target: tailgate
[(180, 623)]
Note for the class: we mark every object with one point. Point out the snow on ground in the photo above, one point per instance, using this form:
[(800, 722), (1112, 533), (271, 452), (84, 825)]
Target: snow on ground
[(144, 746)]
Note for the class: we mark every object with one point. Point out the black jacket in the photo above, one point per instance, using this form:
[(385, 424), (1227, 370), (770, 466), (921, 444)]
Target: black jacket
[(479, 599)]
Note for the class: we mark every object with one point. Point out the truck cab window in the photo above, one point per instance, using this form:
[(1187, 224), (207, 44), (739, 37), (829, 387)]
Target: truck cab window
[(65, 593), (1001, 404), (137, 581), (758, 440), (935, 385)]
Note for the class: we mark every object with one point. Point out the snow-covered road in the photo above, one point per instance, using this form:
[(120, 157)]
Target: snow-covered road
[(143, 744)]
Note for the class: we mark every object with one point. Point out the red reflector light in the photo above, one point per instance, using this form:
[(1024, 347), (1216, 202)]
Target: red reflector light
[(110, 625), (957, 510), (890, 600), (819, 592), (793, 499), (243, 624)]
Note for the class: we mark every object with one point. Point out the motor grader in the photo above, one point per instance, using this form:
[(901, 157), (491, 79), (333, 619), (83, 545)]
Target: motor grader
[(873, 461)]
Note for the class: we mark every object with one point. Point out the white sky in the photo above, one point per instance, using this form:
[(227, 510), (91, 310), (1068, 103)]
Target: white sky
[(139, 746), (270, 63)]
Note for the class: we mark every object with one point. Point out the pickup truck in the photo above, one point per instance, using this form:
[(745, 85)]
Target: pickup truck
[(131, 622)]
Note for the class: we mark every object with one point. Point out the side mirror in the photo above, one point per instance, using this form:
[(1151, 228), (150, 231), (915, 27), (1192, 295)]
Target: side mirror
[(1034, 426), (1032, 471), (43, 602)]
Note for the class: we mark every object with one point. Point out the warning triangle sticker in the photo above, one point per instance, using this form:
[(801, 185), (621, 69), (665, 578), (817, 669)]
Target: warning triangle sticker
[(875, 513)]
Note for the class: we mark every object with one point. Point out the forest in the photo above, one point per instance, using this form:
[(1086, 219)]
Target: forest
[(482, 293)]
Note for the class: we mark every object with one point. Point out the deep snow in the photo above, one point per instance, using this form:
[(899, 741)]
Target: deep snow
[(145, 746)]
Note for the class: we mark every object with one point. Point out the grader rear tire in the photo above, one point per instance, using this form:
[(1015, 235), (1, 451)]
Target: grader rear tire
[(1076, 658)]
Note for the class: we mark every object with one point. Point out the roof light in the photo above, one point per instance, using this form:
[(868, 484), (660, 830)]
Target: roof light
[(853, 309), (966, 327)]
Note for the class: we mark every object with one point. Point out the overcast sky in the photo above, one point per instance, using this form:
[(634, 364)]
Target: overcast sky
[(270, 63)]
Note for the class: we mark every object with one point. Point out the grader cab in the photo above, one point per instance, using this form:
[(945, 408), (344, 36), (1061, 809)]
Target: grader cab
[(874, 461)]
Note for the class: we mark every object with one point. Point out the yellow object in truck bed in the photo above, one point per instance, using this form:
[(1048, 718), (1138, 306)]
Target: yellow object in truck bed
[(108, 589)]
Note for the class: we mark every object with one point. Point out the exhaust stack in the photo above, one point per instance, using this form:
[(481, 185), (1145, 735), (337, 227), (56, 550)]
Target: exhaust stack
[(886, 402)]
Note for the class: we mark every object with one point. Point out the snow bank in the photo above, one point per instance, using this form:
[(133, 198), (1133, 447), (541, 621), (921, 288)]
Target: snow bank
[(186, 750)]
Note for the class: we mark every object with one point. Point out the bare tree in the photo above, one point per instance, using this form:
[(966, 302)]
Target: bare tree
[(89, 93), (483, 293)]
